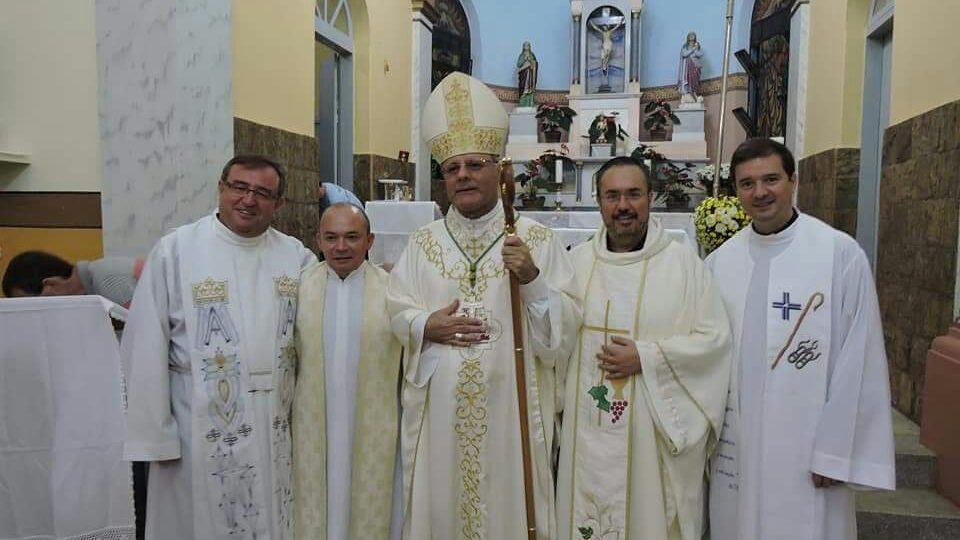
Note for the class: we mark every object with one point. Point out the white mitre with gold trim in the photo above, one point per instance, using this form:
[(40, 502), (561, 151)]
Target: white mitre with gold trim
[(463, 116)]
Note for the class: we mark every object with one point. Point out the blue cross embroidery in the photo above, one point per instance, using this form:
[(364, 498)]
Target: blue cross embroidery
[(786, 307)]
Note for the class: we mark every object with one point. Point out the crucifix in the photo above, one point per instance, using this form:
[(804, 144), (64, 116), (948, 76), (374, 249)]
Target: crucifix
[(598, 392)]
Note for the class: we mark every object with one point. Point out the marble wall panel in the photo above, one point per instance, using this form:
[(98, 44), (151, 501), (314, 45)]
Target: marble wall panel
[(166, 114), (368, 168)]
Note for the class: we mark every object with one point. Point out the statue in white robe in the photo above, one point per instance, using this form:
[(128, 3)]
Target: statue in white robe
[(209, 364), (809, 390), (633, 449)]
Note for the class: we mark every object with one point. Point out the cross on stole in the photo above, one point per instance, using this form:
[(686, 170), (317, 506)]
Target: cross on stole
[(607, 330), (786, 307)]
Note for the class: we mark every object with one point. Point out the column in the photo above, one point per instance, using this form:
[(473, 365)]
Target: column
[(165, 94), (420, 66), (576, 49), (797, 76), (634, 46)]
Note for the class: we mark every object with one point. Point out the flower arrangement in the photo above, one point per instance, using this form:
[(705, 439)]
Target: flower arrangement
[(659, 114), (553, 118), (705, 177), (717, 219)]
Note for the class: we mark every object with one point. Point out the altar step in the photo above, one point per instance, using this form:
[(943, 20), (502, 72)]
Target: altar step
[(915, 511)]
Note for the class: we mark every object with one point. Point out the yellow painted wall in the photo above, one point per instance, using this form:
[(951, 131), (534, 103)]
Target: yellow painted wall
[(382, 77), (926, 57), (71, 244), (48, 95), (835, 75), (273, 66)]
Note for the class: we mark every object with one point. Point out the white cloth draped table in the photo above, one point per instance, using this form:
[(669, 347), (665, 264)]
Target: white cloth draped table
[(61, 430)]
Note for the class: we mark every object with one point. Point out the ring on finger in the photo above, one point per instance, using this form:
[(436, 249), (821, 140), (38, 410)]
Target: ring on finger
[(458, 335)]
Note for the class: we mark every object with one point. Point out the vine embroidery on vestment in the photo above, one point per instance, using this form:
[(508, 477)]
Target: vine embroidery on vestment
[(471, 429)]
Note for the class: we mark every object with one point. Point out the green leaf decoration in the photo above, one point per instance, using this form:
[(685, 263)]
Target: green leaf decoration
[(599, 393), (586, 532)]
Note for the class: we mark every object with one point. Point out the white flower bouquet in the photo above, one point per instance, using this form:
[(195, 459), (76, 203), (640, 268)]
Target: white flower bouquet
[(717, 219)]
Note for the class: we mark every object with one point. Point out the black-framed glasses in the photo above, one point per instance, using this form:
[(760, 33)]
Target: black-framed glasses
[(240, 189), (472, 165)]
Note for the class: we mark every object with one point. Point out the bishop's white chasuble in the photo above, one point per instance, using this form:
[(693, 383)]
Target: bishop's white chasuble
[(364, 443), (633, 450), (209, 361), (809, 389), (460, 433)]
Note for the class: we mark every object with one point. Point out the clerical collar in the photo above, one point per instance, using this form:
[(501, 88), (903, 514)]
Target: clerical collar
[(352, 276), (786, 225), (225, 233)]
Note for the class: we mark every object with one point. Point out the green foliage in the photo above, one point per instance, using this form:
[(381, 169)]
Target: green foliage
[(659, 114), (670, 181), (555, 117), (586, 532)]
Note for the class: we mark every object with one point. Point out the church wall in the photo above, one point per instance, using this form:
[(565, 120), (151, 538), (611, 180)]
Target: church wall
[(273, 80), (835, 76), (300, 215), (829, 184), (48, 95), (382, 92), (925, 57), (917, 242)]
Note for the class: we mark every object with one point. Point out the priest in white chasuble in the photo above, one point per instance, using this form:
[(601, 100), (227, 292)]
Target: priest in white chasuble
[(209, 363), (449, 299), (808, 417), (646, 388), (346, 411)]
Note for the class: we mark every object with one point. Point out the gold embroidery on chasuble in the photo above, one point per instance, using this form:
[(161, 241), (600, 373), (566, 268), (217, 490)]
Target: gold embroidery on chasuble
[(209, 291)]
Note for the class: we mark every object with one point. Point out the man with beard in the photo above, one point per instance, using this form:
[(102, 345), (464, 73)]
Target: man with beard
[(646, 389)]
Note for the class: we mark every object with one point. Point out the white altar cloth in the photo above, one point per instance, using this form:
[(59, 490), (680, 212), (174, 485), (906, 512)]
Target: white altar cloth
[(590, 219), (393, 222), (61, 422)]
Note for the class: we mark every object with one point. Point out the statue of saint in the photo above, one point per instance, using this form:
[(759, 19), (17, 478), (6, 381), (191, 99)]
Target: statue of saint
[(606, 39), (688, 78), (527, 77)]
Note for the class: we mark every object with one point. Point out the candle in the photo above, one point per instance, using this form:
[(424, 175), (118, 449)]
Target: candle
[(558, 174)]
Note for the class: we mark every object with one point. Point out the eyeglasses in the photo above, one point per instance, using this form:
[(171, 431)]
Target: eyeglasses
[(472, 166), (240, 189), (613, 197)]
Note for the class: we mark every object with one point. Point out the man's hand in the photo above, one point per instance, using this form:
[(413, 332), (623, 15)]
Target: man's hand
[(445, 327), (517, 259), (619, 358), (824, 481)]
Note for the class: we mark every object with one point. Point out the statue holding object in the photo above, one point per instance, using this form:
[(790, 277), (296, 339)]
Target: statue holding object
[(527, 67), (688, 77)]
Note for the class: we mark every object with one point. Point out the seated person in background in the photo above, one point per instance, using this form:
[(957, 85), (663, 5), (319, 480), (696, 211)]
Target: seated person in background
[(38, 273)]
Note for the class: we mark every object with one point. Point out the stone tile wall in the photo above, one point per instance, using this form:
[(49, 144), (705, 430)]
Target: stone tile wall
[(299, 156), (917, 243), (829, 182)]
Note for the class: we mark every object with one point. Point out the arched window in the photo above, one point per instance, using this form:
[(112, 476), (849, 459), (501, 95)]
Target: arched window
[(770, 51), (451, 41)]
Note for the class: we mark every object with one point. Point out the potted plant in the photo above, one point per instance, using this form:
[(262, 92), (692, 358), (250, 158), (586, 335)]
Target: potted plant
[(603, 134), (553, 119), (659, 115), (671, 182), (534, 178)]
